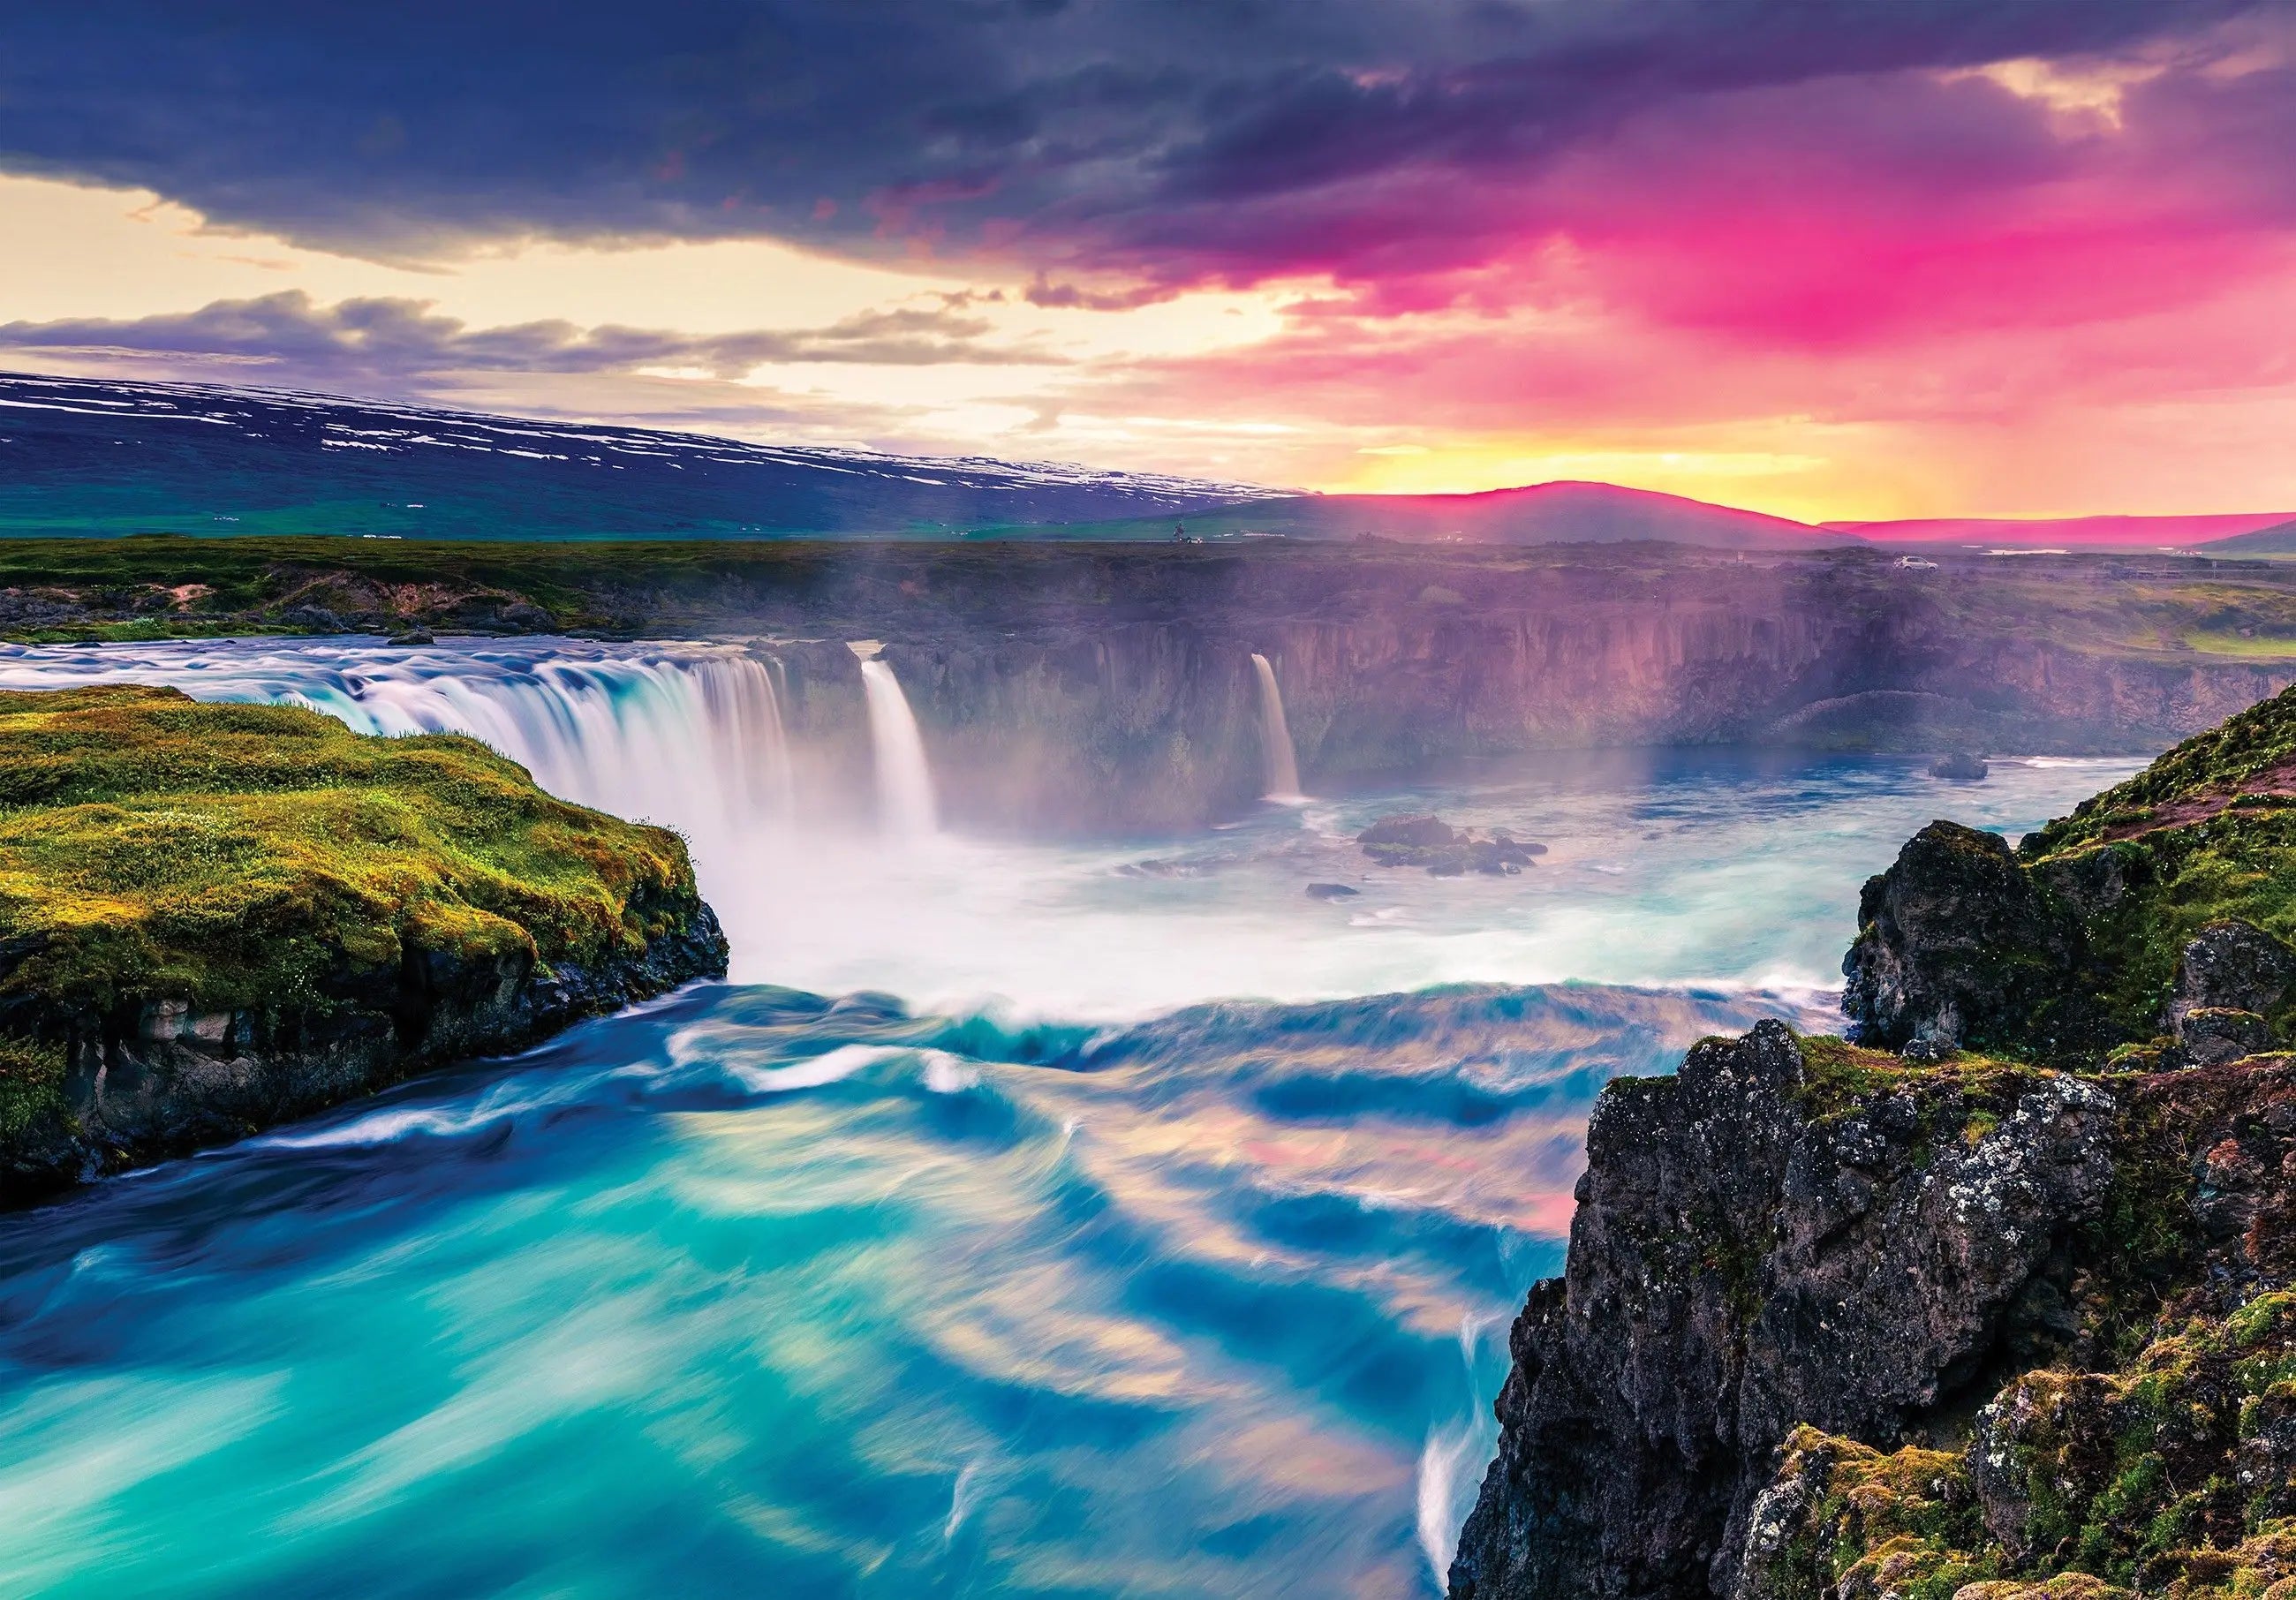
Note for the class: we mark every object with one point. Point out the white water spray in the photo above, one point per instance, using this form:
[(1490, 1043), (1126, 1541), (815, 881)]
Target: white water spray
[(1279, 764), (690, 735), (905, 791), (745, 709)]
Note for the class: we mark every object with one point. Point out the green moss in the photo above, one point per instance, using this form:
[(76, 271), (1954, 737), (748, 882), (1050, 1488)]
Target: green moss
[(2129, 1481), (31, 1089), (1904, 1523), (1962, 1096), (2206, 833), (2242, 754), (244, 855), (1836, 1073)]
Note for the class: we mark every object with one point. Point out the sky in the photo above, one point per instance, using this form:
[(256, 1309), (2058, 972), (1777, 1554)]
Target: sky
[(1828, 259)]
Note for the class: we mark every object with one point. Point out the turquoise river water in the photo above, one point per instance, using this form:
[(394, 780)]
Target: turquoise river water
[(1022, 1220)]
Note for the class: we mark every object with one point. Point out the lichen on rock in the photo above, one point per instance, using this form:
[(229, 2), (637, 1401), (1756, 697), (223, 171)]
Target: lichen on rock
[(1835, 1324)]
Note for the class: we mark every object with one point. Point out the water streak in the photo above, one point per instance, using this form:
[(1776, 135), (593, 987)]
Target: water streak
[(1279, 763), (904, 790), (750, 1294), (689, 735)]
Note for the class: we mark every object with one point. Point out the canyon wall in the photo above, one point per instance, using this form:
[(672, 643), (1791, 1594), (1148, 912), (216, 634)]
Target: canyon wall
[(1109, 688), (1130, 704)]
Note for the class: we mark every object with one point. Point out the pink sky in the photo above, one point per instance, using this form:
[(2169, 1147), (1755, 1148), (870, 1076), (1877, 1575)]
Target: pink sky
[(1832, 262)]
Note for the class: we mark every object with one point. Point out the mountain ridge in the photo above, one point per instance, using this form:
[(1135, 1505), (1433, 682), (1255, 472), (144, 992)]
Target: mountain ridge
[(82, 457)]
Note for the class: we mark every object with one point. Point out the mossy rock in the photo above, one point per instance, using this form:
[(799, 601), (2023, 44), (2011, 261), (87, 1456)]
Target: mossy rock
[(2074, 944), (215, 916), (237, 856)]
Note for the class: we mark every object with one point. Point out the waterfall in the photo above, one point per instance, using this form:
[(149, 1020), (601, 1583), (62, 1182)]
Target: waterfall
[(1279, 766), (905, 792), (744, 708), (689, 735)]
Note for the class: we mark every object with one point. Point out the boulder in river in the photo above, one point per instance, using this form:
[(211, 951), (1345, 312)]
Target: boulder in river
[(1445, 851), (1333, 891), (1960, 767)]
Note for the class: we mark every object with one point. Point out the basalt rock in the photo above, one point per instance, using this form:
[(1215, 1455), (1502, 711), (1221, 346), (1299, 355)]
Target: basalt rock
[(147, 1078), (2232, 965), (2164, 897), (218, 917), (1786, 1232), (1958, 944), (1833, 1327), (1445, 851), (2156, 1456)]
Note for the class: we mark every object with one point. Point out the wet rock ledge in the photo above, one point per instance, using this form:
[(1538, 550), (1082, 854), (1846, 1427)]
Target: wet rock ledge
[(214, 918), (1996, 1303)]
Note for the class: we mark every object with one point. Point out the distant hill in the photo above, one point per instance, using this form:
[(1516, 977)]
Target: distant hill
[(2279, 539), (83, 456), (2070, 532), (1543, 513)]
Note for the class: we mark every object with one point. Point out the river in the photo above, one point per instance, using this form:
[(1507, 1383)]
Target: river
[(1023, 1218)]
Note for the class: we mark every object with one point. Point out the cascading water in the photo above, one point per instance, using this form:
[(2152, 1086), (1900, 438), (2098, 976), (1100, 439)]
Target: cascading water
[(744, 708), (686, 735), (1047, 1297), (905, 791), (1279, 764)]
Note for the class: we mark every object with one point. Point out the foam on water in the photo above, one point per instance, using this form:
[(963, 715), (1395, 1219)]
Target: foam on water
[(1160, 1239), (1664, 868)]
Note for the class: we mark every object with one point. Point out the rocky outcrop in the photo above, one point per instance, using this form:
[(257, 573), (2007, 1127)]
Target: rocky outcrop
[(150, 1077), (2156, 1456), (1957, 944), (1786, 1232), (217, 917), (1431, 843), (2232, 965), (1834, 1326), (2153, 918)]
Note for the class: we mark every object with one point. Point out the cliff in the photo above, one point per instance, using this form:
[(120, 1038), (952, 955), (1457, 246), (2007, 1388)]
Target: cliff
[(216, 917), (1837, 1324), (2154, 918), (2005, 1315), (1109, 688)]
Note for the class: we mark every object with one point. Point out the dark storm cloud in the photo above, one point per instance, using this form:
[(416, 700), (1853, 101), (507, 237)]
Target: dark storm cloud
[(396, 345), (1166, 138)]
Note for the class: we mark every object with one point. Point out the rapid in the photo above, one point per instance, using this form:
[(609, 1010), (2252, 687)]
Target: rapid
[(1023, 1218)]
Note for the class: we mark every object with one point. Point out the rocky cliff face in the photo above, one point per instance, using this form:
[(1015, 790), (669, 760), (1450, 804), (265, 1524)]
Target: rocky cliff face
[(1117, 691), (1762, 1241), (149, 1078), (2005, 1315), (216, 917), (1837, 1325), (1110, 687)]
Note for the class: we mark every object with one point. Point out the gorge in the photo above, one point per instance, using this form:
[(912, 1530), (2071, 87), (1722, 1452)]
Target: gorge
[(1223, 1162), (1107, 691), (1153, 1161)]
